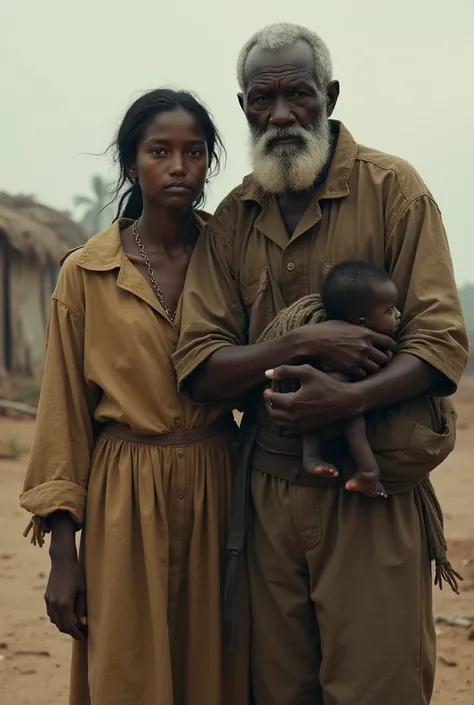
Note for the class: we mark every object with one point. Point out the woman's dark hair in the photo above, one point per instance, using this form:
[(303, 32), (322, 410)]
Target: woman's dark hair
[(137, 118)]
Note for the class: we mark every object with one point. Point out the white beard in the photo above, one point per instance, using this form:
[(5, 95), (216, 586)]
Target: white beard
[(290, 167)]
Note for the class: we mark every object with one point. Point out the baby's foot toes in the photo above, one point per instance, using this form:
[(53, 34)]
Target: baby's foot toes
[(366, 483), (324, 470)]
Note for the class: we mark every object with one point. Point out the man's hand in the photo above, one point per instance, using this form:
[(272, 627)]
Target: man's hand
[(66, 597), (347, 348), (320, 400)]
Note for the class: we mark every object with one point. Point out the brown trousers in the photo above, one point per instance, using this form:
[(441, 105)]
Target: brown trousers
[(341, 598)]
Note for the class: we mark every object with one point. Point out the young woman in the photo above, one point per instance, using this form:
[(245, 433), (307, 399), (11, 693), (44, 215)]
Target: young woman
[(117, 453)]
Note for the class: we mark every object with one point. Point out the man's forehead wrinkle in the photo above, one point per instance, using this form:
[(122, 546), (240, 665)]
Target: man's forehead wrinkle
[(263, 72)]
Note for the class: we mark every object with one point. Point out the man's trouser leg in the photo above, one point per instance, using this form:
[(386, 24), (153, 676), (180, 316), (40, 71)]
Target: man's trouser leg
[(341, 598)]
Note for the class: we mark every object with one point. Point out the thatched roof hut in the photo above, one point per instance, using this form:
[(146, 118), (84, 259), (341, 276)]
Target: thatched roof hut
[(37, 230), (33, 238)]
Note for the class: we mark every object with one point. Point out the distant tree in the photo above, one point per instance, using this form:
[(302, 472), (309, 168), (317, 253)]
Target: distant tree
[(97, 213), (466, 294)]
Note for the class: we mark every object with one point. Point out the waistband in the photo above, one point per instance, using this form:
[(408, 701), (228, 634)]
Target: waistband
[(180, 438), (281, 457)]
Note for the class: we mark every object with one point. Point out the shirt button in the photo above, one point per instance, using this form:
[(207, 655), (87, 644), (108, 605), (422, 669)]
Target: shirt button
[(180, 453), (180, 495), (180, 537), (290, 266), (179, 423)]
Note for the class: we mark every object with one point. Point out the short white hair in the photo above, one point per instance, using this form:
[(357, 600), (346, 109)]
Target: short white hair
[(284, 34)]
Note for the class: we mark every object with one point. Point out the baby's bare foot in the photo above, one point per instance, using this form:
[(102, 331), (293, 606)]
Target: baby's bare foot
[(316, 466), (367, 482)]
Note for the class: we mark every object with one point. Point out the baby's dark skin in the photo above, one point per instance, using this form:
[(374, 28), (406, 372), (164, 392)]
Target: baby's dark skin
[(382, 317)]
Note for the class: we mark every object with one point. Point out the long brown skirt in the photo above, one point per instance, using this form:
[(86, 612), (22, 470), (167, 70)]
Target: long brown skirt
[(154, 553)]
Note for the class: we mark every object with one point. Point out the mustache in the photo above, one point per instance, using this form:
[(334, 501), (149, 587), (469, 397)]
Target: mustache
[(269, 138)]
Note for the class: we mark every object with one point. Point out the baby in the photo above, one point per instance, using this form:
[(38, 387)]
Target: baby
[(360, 293)]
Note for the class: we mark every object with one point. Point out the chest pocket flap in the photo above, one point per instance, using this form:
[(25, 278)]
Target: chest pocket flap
[(252, 289)]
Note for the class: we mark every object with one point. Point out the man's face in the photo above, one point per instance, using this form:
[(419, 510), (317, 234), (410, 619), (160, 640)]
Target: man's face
[(287, 112)]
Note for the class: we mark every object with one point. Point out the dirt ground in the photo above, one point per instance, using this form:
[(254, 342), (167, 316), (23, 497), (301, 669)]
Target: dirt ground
[(34, 658)]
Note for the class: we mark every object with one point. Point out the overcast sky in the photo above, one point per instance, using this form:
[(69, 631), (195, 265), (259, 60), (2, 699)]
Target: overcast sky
[(69, 70)]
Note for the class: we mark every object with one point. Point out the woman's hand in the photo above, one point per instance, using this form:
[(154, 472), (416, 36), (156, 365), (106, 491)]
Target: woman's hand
[(66, 597), (66, 591)]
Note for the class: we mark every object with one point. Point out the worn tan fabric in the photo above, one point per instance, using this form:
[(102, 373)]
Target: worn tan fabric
[(372, 206), (156, 517), (354, 627), (332, 574)]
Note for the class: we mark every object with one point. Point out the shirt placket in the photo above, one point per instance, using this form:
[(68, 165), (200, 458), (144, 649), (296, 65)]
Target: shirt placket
[(179, 524), (294, 270)]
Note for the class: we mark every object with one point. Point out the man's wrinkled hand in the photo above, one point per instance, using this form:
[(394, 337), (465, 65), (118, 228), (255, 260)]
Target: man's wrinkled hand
[(353, 350), (319, 401)]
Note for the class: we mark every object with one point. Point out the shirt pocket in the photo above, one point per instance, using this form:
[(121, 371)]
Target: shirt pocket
[(258, 302), (411, 439)]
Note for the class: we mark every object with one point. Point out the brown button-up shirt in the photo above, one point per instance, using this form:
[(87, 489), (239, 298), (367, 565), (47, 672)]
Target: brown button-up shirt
[(108, 359), (372, 206)]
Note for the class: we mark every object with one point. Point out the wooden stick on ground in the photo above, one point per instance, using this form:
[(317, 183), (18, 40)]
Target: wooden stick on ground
[(6, 405)]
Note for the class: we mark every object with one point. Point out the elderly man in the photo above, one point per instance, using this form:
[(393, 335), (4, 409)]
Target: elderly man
[(340, 583)]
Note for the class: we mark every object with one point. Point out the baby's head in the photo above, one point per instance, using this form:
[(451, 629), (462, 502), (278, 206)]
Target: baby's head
[(359, 292)]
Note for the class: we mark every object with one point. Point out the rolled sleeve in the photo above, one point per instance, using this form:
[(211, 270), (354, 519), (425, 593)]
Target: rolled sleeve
[(213, 315), (56, 495), (419, 262)]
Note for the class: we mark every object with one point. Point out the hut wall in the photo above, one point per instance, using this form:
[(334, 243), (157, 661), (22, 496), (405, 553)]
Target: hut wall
[(2, 304), (33, 237), (5, 313), (30, 290)]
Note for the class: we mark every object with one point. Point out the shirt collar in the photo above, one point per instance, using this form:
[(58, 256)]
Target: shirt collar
[(104, 252)]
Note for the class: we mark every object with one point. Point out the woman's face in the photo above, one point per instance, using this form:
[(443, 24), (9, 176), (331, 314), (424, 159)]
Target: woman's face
[(172, 160)]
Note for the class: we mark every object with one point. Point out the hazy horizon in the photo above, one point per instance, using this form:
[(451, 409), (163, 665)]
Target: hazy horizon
[(71, 71)]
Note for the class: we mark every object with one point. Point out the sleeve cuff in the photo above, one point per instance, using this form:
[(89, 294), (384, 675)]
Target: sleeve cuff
[(186, 365), (53, 496), (452, 366)]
